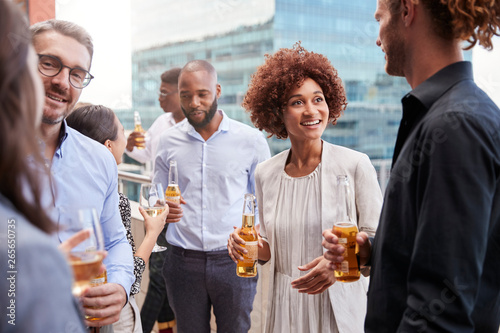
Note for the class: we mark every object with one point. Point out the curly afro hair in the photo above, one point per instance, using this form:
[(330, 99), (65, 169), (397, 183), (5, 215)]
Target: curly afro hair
[(473, 21), (288, 68)]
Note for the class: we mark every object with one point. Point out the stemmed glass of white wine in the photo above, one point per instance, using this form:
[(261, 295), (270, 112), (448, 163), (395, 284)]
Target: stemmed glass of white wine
[(86, 257), (153, 201)]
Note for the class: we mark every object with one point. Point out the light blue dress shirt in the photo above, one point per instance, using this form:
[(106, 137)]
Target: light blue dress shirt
[(84, 175), (214, 175)]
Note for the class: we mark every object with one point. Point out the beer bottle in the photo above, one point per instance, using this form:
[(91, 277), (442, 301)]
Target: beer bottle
[(97, 281), (346, 230), (248, 266), (173, 193), (140, 142)]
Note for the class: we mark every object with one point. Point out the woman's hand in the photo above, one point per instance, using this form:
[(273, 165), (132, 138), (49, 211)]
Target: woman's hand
[(66, 247), (75, 239), (317, 280), (335, 251), (154, 225)]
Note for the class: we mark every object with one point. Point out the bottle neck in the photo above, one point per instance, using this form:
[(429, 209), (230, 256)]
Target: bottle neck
[(172, 176), (137, 119), (248, 221)]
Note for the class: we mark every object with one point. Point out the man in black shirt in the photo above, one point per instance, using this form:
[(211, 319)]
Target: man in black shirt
[(435, 257)]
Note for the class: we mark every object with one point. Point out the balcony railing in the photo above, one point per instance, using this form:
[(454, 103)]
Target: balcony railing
[(131, 177), (382, 167)]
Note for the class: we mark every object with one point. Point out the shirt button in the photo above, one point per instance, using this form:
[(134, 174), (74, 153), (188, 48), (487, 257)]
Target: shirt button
[(204, 164), (204, 206), (204, 185)]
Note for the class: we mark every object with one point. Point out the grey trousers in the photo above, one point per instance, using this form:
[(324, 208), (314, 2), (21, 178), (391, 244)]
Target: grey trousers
[(197, 280)]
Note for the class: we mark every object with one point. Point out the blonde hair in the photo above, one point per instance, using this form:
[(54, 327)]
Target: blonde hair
[(65, 28)]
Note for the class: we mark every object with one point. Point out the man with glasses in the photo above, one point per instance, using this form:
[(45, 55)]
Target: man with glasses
[(83, 172), (168, 97)]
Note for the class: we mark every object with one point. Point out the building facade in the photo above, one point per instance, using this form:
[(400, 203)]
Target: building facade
[(345, 32)]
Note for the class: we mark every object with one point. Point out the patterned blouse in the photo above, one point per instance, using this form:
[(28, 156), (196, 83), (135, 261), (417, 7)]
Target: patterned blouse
[(139, 264)]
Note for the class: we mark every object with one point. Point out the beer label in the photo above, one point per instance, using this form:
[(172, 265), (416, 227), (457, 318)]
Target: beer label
[(253, 252), (176, 199), (342, 240), (98, 282), (344, 266)]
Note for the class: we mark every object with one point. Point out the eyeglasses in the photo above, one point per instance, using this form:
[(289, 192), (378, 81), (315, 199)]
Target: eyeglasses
[(163, 95), (51, 66)]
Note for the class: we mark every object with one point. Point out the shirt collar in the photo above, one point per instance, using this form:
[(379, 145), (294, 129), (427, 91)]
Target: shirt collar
[(223, 126), (434, 87), (63, 135)]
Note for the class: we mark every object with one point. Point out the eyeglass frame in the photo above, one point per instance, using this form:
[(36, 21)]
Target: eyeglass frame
[(163, 95), (90, 76)]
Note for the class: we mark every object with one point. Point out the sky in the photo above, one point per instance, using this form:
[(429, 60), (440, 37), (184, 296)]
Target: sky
[(487, 70), (120, 26), (108, 22), (157, 22)]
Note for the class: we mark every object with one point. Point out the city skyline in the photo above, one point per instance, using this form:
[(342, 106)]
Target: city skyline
[(335, 30), (110, 24)]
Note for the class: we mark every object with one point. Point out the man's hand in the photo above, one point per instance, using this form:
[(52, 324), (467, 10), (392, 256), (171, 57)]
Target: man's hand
[(334, 251), (235, 247), (107, 301), (131, 139), (317, 280), (175, 211)]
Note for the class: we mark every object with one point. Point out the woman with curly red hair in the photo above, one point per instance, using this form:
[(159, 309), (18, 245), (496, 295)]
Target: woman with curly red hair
[(295, 94), (435, 257)]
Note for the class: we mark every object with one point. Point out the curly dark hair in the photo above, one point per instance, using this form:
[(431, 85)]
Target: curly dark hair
[(270, 85), (473, 21)]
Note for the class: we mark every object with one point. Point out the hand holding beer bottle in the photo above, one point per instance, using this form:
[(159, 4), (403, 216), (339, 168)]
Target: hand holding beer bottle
[(346, 230), (335, 252), (243, 243), (137, 138), (173, 195)]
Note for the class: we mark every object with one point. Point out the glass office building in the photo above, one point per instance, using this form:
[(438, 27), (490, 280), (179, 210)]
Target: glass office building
[(344, 31)]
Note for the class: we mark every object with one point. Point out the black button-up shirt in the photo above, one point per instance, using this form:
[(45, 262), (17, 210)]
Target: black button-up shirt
[(436, 254)]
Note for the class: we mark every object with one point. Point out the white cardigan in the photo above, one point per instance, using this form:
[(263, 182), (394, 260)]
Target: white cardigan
[(348, 300)]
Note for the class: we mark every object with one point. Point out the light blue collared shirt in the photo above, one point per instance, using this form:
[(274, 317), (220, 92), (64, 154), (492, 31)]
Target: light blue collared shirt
[(214, 175), (84, 175)]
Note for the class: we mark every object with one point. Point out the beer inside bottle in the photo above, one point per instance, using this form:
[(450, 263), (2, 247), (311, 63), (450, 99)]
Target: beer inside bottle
[(346, 230), (140, 142), (349, 268), (173, 193), (248, 266), (97, 281)]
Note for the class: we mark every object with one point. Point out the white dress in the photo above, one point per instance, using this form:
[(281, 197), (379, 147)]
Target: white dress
[(298, 237)]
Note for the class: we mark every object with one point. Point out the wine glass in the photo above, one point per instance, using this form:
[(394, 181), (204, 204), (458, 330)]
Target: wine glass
[(153, 201), (86, 257)]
